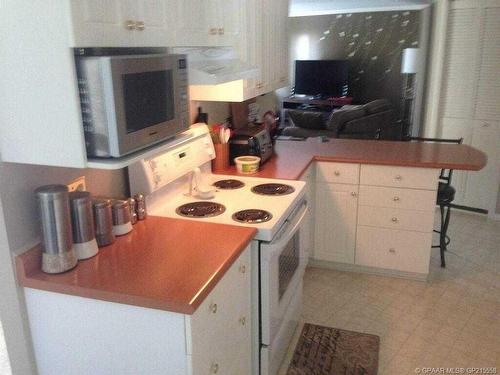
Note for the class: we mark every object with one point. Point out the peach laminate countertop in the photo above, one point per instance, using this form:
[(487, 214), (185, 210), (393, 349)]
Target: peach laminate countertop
[(292, 158), (167, 264)]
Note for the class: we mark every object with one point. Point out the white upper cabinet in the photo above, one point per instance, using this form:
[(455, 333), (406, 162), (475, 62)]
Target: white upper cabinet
[(208, 22), (122, 23)]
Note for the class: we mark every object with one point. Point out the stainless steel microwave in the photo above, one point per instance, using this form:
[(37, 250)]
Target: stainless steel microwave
[(130, 102)]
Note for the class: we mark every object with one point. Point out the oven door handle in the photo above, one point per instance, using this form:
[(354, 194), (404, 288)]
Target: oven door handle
[(288, 233)]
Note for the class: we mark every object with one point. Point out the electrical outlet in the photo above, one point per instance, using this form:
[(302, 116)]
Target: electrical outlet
[(78, 184)]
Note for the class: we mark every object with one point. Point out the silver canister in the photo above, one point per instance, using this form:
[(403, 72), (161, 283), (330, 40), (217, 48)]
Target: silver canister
[(82, 222), (140, 202), (103, 222), (121, 217), (133, 213), (53, 207)]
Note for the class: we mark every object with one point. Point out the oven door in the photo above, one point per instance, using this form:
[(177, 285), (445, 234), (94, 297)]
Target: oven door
[(282, 265)]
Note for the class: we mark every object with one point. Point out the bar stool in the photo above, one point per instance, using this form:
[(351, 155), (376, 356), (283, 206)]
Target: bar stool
[(445, 196)]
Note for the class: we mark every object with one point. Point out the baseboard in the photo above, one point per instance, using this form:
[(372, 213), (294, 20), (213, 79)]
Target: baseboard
[(366, 269)]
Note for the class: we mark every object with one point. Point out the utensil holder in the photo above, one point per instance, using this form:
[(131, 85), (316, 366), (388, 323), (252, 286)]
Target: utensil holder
[(221, 161)]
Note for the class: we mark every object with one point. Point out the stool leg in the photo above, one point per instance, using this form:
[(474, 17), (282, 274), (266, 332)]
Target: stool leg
[(442, 237), (446, 223)]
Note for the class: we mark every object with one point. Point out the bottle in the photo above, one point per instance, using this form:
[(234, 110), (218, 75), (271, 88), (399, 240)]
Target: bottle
[(140, 202)]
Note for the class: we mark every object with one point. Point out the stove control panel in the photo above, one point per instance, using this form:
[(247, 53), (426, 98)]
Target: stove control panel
[(149, 175)]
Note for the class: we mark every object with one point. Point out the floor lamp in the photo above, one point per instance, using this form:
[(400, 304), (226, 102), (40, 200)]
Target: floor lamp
[(409, 68)]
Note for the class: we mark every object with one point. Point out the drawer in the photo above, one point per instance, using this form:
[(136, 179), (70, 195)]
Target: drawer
[(411, 199), (403, 177), (393, 249), (396, 218), (341, 173)]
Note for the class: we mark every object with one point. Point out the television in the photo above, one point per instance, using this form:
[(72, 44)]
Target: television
[(324, 78)]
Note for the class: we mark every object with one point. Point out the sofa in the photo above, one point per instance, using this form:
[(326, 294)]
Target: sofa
[(374, 120)]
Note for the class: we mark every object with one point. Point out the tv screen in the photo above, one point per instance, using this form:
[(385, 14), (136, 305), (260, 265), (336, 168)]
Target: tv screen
[(321, 77)]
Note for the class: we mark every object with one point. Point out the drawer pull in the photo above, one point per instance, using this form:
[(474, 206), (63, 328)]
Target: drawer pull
[(398, 177), (212, 31), (243, 320), (140, 26), (336, 173), (392, 250), (395, 199), (214, 369), (213, 308), (130, 24), (220, 31), (354, 194), (243, 269), (394, 219)]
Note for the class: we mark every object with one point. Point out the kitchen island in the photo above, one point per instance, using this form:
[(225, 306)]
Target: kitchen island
[(372, 203)]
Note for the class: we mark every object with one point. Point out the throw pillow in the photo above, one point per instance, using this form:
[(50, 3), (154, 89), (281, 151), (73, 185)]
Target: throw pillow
[(340, 117), (378, 105), (307, 119)]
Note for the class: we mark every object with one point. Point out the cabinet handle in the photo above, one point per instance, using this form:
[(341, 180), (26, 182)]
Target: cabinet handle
[(212, 31), (394, 219), (395, 199), (485, 125), (214, 369), (220, 31), (392, 250), (260, 85), (140, 25), (243, 269), (243, 320), (213, 308), (398, 177), (354, 194), (336, 173), (130, 24)]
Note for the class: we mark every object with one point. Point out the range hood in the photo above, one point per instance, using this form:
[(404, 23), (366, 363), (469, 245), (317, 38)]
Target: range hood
[(215, 65)]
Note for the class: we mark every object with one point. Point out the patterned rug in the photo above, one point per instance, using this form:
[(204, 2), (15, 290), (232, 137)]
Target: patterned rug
[(331, 351)]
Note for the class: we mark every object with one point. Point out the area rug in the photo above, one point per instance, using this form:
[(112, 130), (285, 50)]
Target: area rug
[(331, 351)]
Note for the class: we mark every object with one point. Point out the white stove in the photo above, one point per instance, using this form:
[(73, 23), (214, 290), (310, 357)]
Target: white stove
[(178, 183), (233, 200)]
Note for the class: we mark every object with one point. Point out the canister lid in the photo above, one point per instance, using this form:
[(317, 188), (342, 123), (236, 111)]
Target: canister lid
[(79, 196), (101, 203), (52, 192)]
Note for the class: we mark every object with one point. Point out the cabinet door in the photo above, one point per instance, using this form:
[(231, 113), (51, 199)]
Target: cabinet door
[(482, 186), (458, 128), (335, 227), (195, 23), (155, 28), (229, 21), (101, 24)]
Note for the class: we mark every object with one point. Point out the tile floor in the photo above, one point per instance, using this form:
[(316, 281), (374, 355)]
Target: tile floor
[(452, 320)]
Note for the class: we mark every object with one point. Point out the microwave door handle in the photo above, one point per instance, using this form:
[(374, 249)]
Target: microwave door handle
[(294, 226)]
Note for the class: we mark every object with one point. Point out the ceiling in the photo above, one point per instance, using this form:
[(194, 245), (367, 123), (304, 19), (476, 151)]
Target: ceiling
[(300, 8)]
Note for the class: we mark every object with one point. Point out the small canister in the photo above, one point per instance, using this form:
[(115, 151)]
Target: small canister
[(133, 213), (53, 206), (82, 220), (103, 222), (140, 202), (121, 217)]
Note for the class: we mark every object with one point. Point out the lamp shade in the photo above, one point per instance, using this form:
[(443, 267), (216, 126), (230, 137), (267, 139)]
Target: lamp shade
[(411, 61)]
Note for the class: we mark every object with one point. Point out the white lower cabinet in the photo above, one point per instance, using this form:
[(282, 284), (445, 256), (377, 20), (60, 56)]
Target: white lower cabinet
[(379, 217), (335, 222), (75, 335)]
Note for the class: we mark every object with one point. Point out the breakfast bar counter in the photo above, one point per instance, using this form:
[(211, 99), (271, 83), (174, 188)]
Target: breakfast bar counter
[(164, 263), (292, 158)]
